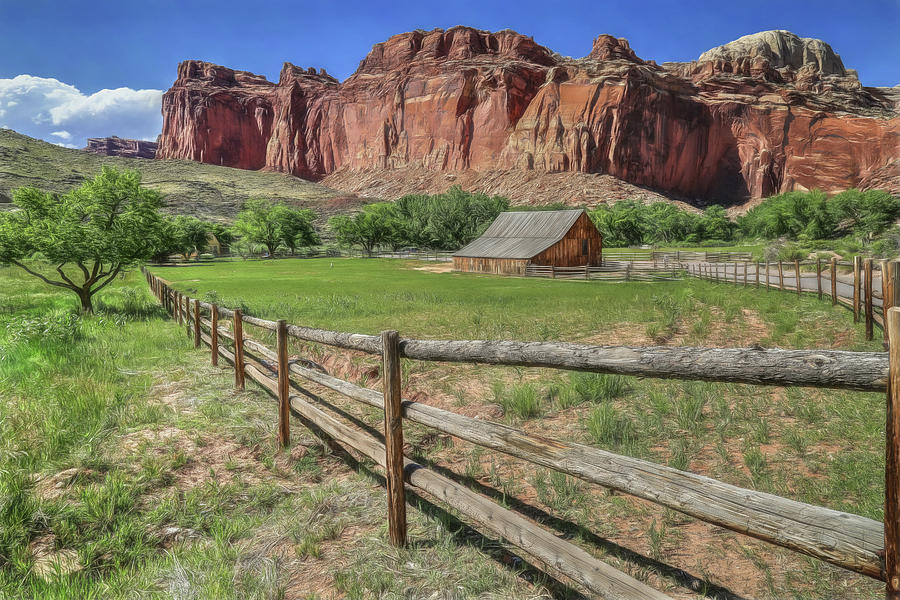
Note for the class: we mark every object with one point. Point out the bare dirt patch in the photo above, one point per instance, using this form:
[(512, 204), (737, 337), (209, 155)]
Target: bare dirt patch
[(48, 560), (442, 267), (201, 457), (55, 486)]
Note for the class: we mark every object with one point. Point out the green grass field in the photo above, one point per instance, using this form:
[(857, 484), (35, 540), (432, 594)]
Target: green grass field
[(819, 446), (129, 468), (368, 296), (128, 463)]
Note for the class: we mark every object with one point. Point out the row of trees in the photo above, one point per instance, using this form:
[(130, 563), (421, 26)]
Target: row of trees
[(815, 216), (793, 215), (629, 223), (445, 221), (261, 223)]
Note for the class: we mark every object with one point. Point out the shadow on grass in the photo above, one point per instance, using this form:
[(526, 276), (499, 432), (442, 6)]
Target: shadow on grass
[(471, 536)]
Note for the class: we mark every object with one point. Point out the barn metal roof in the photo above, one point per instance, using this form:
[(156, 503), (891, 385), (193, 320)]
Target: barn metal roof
[(522, 234)]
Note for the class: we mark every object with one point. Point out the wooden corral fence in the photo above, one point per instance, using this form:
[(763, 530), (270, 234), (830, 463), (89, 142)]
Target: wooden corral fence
[(428, 255), (677, 256), (849, 541), (861, 285), (611, 271)]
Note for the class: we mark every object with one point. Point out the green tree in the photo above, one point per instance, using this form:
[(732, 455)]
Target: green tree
[(295, 227), (622, 224), (715, 224), (258, 223), (369, 228), (89, 235), (191, 235), (445, 221)]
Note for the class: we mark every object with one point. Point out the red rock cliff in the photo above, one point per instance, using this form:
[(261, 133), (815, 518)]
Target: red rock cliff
[(767, 113), (116, 146)]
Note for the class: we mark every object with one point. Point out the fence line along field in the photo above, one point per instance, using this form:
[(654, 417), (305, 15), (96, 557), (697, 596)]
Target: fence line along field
[(768, 439), (127, 465)]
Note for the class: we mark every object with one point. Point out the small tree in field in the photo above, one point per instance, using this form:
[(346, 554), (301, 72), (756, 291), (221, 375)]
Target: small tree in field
[(258, 223), (191, 235), (369, 228), (295, 227), (88, 235)]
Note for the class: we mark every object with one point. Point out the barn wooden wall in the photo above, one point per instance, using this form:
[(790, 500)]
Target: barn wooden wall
[(567, 252), (498, 266)]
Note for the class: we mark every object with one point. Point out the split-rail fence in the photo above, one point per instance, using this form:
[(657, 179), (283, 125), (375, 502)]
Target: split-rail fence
[(862, 288), (850, 541)]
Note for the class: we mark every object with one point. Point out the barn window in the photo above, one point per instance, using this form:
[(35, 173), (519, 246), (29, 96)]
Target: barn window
[(584, 247)]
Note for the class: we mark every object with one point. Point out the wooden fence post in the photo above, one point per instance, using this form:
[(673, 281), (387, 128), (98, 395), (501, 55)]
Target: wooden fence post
[(587, 271), (238, 350), (176, 309), (868, 298), (284, 386), (780, 276), (735, 274), (833, 281), (196, 323), (214, 334), (887, 293), (757, 274), (819, 276), (745, 274), (856, 265), (552, 272), (797, 275), (767, 276), (892, 456), (187, 316), (393, 438)]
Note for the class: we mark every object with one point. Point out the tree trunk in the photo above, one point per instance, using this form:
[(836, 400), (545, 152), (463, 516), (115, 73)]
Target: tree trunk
[(87, 306)]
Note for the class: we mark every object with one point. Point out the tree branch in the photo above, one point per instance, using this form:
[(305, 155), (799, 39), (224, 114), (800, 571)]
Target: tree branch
[(112, 275), (84, 270), (41, 277), (65, 277)]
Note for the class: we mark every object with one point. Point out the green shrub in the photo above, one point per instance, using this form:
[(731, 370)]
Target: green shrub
[(597, 387), (522, 400), (609, 428)]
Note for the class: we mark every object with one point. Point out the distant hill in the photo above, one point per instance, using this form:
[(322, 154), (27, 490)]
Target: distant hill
[(206, 191)]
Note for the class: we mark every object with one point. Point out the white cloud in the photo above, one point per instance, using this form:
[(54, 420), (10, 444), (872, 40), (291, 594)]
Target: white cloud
[(49, 109)]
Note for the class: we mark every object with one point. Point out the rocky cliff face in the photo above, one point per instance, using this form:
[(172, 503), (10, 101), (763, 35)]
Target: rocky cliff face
[(116, 146), (767, 113)]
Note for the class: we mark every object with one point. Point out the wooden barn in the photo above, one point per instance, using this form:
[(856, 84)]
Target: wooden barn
[(559, 238)]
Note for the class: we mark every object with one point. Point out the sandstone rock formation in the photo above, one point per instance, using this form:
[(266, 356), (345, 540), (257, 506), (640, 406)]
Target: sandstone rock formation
[(116, 146), (767, 113)]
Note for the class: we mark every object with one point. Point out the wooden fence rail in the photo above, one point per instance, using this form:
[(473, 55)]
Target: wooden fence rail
[(846, 540)]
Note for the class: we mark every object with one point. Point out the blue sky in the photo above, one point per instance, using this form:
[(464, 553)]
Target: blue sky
[(74, 69)]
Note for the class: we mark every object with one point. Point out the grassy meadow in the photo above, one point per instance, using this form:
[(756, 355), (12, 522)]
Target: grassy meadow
[(130, 468), (820, 446)]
